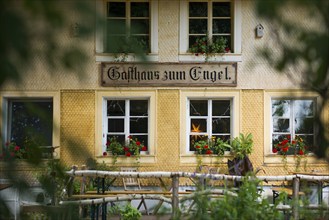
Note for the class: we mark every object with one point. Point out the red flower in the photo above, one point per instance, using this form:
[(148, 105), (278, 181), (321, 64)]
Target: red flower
[(301, 152), (196, 54), (105, 153), (227, 49), (128, 154), (293, 142), (284, 142), (274, 150), (144, 148), (125, 148), (197, 147), (108, 143), (17, 148), (138, 143), (288, 136), (208, 152), (129, 137), (285, 149), (206, 147)]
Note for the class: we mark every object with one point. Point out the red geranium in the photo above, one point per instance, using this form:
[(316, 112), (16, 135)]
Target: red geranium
[(274, 150), (144, 148), (125, 148), (208, 152), (301, 152), (105, 153), (17, 148), (138, 143), (197, 147), (206, 147), (128, 154)]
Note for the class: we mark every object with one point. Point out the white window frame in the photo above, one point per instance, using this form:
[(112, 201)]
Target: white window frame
[(102, 56), (209, 119), (184, 35), (269, 95), (187, 156), (7, 96), (101, 124)]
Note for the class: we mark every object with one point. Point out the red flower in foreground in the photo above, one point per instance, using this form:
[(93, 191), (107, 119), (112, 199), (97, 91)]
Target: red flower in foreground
[(301, 152), (125, 148), (197, 147), (144, 148), (227, 49), (128, 154), (206, 147), (129, 137), (285, 149), (105, 153), (17, 148), (274, 150), (208, 152), (138, 143)]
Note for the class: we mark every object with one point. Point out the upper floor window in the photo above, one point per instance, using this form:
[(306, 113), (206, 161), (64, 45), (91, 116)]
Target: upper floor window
[(210, 26), (212, 21), (292, 118), (209, 118), (127, 25), (127, 118)]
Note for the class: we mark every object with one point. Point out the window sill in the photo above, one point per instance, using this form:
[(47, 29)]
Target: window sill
[(291, 160), (227, 57), (206, 159), (123, 160), (108, 57)]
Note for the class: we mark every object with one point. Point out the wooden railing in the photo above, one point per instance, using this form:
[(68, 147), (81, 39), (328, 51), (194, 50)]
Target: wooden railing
[(175, 194)]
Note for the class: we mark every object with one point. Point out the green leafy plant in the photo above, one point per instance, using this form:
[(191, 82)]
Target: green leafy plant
[(219, 147), (11, 150), (242, 145), (203, 45), (114, 146), (127, 212)]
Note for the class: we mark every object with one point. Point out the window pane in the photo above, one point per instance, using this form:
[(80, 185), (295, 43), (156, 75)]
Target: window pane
[(115, 108), (281, 108), (116, 26), (223, 137), (221, 9), (116, 44), (221, 26), (281, 125), (120, 138), (198, 108), (304, 125), (139, 26), (308, 140), (221, 125), (116, 125), (198, 9), (138, 125), (116, 9), (139, 9), (303, 108), (139, 107), (198, 125), (31, 120), (221, 108), (198, 26), (141, 43)]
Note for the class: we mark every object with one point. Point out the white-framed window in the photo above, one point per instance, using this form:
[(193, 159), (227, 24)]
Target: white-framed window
[(127, 118), (210, 118), (123, 114), (291, 118), (126, 23), (32, 118), (212, 113), (287, 115), (215, 19)]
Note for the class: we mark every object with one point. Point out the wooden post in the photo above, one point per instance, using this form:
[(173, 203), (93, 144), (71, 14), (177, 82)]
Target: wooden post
[(175, 198), (295, 198)]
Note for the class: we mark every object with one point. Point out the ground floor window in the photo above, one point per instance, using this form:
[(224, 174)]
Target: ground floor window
[(209, 119), (127, 119), (292, 122)]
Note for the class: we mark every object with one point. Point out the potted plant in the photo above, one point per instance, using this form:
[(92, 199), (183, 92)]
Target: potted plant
[(241, 147)]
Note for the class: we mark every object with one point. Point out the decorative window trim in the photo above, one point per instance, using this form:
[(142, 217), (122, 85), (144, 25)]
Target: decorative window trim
[(55, 96), (184, 56), (187, 156), (269, 157), (101, 97), (101, 56)]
